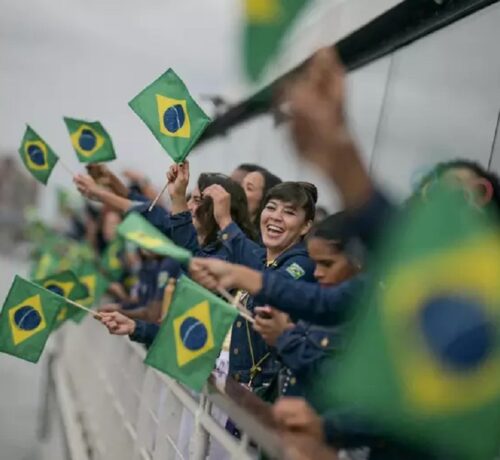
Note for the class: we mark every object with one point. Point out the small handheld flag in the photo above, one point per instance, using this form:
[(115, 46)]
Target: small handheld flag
[(429, 343), (172, 115), (67, 285), (191, 335), (90, 141), (37, 156), (267, 21), (27, 318), (137, 229)]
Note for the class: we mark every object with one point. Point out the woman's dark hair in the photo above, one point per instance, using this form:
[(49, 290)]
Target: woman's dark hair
[(335, 229), (239, 206), (441, 168), (250, 167), (303, 195), (270, 181)]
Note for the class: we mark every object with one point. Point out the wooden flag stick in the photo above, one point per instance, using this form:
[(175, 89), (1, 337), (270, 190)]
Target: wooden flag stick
[(81, 307), (234, 301), (66, 167), (157, 197)]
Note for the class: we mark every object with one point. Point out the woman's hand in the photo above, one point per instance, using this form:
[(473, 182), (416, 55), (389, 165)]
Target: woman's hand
[(117, 323), (295, 414), (100, 173), (222, 204), (271, 323), (319, 127), (87, 186), (178, 180), (215, 274)]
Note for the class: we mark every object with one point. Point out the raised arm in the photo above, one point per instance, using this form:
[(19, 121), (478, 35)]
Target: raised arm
[(308, 301), (88, 187)]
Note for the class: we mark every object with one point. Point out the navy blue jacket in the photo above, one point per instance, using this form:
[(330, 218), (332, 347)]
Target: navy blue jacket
[(301, 350), (291, 265)]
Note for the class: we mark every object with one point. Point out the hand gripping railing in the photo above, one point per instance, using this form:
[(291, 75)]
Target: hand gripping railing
[(115, 407)]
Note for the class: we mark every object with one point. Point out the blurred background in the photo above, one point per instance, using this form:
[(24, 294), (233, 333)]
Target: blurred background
[(424, 86)]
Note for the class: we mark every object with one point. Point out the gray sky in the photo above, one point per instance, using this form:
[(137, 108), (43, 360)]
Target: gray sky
[(88, 58)]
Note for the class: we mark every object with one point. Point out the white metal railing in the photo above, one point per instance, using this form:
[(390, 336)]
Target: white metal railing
[(115, 407)]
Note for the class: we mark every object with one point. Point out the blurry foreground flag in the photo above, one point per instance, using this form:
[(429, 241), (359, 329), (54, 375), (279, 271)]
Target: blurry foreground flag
[(67, 285), (90, 140), (424, 362), (267, 21), (172, 115), (37, 156), (27, 318), (137, 229), (191, 335)]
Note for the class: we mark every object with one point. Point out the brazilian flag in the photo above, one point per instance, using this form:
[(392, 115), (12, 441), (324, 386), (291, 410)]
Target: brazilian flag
[(424, 361), (266, 23), (172, 115), (96, 285), (67, 285), (27, 318), (90, 141), (111, 260), (137, 229), (37, 156), (191, 335), (47, 263)]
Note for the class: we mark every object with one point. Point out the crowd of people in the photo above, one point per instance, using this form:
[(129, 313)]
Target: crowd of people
[(296, 270)]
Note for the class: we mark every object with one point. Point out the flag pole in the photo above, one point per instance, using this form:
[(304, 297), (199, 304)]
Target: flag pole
[(81, 307), (66, 167), (157, 197), (234, 301)]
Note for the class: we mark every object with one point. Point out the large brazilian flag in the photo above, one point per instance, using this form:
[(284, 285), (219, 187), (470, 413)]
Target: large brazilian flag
[(37, 156), (27, 318), (172, 115), (191, 335), (424, 361), (90, 140)]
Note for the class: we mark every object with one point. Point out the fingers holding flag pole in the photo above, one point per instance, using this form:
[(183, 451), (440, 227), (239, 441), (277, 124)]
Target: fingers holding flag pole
[(81, 307)]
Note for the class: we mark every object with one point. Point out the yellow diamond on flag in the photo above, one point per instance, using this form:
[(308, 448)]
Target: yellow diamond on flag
[(26, 319), (173, 117), (36, 155), (58, 287), (193, 333), (435, 383), (86, 140), (62, 314)]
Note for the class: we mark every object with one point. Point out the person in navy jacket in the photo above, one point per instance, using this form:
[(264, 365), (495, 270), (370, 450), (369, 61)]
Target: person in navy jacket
[(286, 218), (302, 347)]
